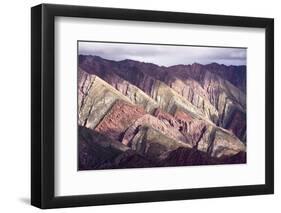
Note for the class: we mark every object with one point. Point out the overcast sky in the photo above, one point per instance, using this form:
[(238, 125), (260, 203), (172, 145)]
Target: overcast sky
[(165, 55)]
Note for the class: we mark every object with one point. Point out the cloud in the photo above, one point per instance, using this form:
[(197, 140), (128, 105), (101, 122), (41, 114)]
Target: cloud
[(165, 55)]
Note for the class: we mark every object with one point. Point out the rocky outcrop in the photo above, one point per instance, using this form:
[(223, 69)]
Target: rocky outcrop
[(129, 82), (207, 137), (210, 88), (201, 134), (96, 151), (191, 126), (230, 103), (147, 115), (136, 95), (169, 100), (95, 98), (195, 94), (152, 143), (120, 117), (234, 74), (95, 92), (155, 123), (223, 144)]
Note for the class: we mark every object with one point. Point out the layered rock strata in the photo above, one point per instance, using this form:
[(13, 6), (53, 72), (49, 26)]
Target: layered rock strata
[(133, 114)]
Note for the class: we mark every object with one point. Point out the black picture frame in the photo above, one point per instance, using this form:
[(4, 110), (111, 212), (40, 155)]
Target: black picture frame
[(43, 105)]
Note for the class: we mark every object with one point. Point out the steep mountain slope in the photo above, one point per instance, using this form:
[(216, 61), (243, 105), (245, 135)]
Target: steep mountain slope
[(120, 117), (112, 114), (96, 97), (96, 151), (210, 88), (133, 114)]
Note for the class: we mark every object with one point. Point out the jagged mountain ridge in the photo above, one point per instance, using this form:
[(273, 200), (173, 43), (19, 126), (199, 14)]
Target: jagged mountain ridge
[(157, 123), (211, 94)]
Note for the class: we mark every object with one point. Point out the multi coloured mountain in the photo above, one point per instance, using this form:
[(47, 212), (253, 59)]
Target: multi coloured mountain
[(133, 114)]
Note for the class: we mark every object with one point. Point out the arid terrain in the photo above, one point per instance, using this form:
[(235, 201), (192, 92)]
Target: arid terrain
[(133, 114)]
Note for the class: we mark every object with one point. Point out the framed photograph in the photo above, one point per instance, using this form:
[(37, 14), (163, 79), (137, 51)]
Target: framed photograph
[(139, 106)]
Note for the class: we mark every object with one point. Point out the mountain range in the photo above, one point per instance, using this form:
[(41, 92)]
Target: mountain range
[(133, 114)]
